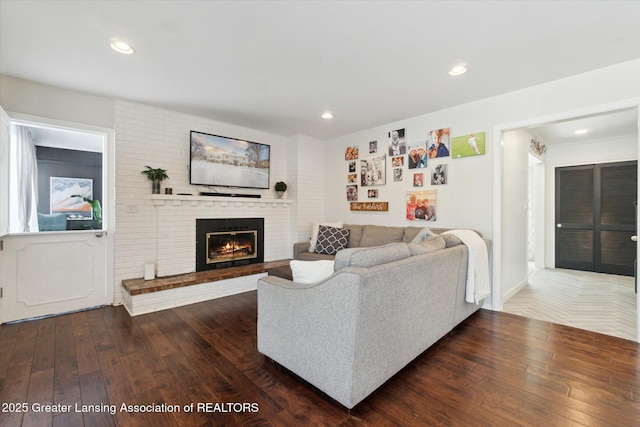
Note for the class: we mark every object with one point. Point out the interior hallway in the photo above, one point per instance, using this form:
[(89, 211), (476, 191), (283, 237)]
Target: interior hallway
[(597, 302)]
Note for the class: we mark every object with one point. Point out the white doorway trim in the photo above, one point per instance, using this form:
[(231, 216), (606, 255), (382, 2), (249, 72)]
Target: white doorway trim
[(499, 216), (108, 164)]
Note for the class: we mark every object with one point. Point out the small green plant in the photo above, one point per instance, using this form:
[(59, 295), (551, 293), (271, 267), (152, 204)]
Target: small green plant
[(95, 207), (280, 186), (155, 174)]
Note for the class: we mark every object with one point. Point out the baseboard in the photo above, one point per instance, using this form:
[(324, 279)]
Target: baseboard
[(514, 290)]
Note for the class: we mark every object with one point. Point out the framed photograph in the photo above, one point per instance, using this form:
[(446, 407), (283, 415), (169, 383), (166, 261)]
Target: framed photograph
[(418, 179), (352, 166), (351, 153), (352, 193), (440, 175), (417, 157), (397, 174), (61, 190), (373, 171), (397, 143), (372, 193), (352, 178), (468, 145), (421, 205), (439, 143), (397, 161), (373, 147)]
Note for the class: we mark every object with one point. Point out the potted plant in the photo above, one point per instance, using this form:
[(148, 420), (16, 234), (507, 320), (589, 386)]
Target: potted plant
[(280, 188), (95, 207), (156, 176)]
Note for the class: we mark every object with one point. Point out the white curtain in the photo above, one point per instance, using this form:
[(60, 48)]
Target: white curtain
[(25, 175)]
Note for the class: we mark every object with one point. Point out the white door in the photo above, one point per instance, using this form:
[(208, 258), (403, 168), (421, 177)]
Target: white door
[(51, 272)]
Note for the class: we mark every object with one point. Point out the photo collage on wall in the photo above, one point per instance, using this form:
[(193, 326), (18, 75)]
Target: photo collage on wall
[(425, 161)]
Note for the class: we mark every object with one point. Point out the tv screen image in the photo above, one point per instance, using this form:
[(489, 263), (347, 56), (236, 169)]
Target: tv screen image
[(228, 162)]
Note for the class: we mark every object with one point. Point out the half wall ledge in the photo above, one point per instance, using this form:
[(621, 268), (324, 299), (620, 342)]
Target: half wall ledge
[(147, 296)]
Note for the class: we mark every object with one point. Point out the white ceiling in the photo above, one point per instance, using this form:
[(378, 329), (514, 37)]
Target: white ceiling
[(277, 65), (609, 126)]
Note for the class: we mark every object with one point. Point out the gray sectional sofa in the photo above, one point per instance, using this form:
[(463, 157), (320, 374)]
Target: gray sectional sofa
[(367, 236), (381, 308)]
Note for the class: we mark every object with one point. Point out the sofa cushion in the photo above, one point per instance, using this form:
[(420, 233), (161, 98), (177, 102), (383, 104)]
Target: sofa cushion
[(355, 234), (316, 229), (451, 240), (331, 240), (377, 235), (431, 244), (370, 256), (310, 271)]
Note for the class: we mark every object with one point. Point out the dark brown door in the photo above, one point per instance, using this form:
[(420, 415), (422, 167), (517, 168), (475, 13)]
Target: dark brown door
[(596, 217)]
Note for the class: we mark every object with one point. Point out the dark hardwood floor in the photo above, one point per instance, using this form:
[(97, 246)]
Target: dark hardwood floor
[(495, 369)]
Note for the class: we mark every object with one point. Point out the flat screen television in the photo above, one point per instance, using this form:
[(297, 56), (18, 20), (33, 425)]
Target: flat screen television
[(228, 162)]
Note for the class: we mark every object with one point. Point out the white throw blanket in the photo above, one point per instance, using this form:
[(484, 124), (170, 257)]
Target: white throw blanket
[(478, 283)]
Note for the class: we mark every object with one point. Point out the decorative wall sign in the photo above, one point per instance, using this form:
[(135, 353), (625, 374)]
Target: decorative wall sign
[(370, 206), (537, 147)]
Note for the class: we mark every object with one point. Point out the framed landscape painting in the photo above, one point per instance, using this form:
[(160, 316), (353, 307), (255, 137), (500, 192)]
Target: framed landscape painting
[(61, 201)]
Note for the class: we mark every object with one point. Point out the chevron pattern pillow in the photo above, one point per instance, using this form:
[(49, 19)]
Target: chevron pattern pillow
[(331, 240)]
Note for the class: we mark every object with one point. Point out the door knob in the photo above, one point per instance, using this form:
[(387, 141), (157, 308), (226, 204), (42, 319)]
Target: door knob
[(559, 225), (634, 238), (99, 234)]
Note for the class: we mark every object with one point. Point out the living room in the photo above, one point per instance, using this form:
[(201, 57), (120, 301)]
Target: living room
[(158, 230)]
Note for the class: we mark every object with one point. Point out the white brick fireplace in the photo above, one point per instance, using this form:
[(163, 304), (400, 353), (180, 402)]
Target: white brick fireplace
[(176, 216)]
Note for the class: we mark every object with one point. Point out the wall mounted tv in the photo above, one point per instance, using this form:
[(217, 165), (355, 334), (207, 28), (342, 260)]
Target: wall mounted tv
[(228, 162)]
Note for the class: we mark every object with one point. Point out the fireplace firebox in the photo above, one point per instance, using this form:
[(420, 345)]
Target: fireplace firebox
[(222, 243)]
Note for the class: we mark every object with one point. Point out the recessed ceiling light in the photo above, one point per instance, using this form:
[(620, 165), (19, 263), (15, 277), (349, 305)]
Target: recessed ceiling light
[(327, 115), (121, 47), (581, 131), (458, 70)]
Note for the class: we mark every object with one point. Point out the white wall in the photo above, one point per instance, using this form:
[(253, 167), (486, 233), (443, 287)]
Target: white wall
[(515, 165), (469, 201), (35, 99), (465, 202)]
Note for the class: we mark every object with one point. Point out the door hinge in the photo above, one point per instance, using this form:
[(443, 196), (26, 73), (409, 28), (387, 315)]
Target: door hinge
[(1, 292), (1, 245)]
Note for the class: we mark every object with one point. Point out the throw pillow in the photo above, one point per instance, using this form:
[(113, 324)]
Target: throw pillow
[(311, 271), (316, 229), (331, 240), (423, 235)]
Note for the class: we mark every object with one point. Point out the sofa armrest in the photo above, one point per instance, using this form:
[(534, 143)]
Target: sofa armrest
[(300, 247)]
